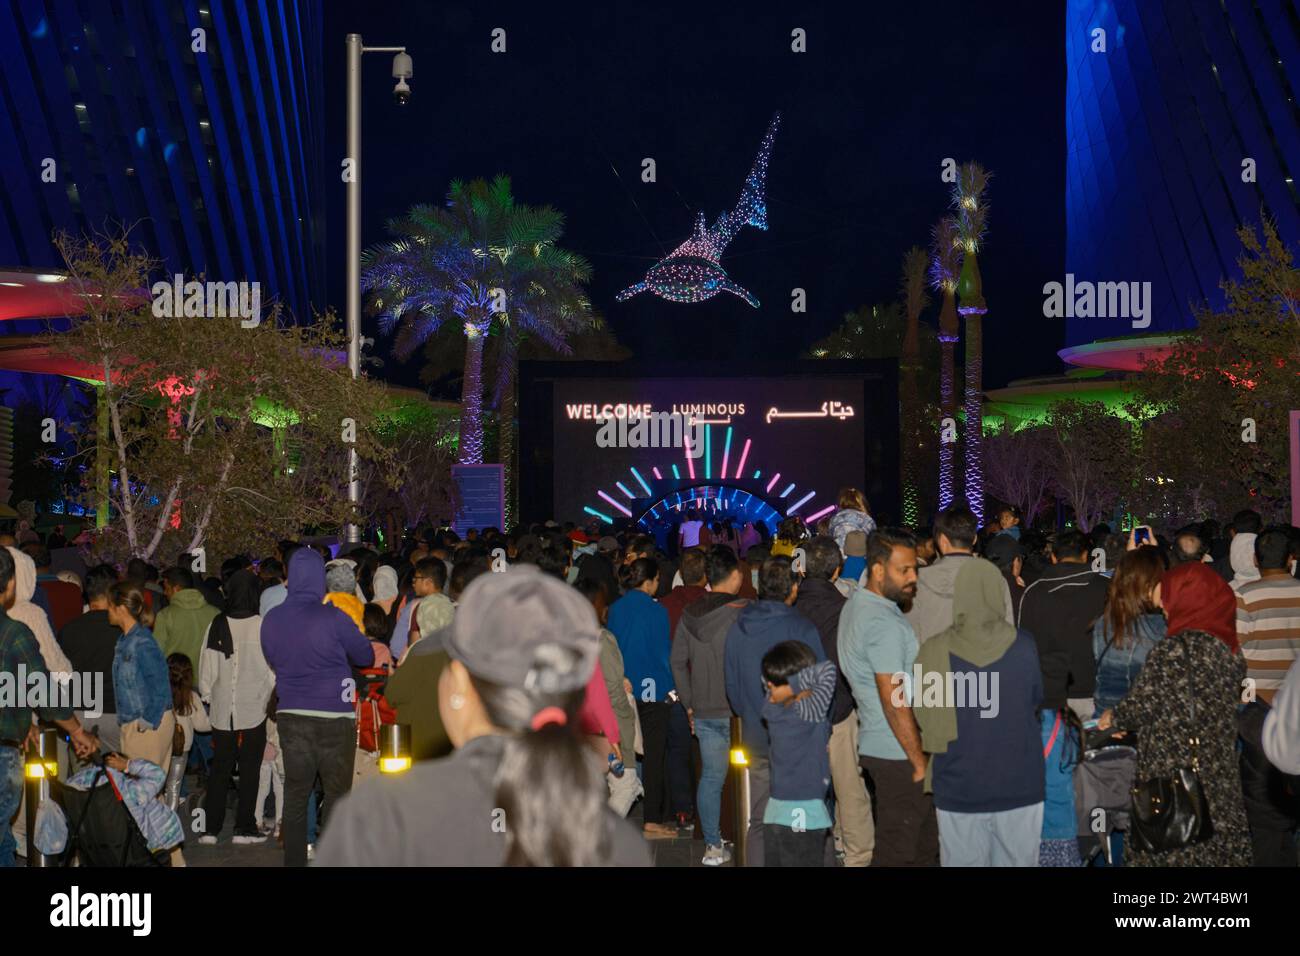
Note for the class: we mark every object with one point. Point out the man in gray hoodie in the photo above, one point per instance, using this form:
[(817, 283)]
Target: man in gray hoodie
[(955, 531), (698, 670)]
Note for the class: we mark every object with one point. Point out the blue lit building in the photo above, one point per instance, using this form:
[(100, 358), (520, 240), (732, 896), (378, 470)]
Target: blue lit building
[(216, 157), (1158, 127)]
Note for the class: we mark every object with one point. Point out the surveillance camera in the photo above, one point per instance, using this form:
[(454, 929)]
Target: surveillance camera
[(401, 73)]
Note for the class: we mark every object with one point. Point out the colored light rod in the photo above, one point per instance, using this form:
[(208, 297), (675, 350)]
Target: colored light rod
[(638, 477), (726, 453), (758, 473), (676, 474), (658, 477), (788, 488), (614, 503), (623, 488), (775, 479), (744, 453), (690, 462), (795, 507), (592, 511), (825, 511), (708, 453)]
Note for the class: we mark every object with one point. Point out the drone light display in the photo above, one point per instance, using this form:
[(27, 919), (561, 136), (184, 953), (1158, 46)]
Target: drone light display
[(692, 272)]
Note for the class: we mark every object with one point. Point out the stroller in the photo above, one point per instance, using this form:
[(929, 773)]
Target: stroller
[(101, 829), (1103, 782)]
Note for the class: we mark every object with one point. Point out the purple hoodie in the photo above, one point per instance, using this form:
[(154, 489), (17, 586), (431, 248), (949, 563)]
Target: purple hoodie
[(311, 646)]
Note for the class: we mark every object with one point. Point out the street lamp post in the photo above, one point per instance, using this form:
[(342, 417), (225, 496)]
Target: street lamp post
[(402, 92)]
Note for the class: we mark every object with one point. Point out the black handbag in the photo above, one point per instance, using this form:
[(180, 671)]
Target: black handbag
[(1169, 813)]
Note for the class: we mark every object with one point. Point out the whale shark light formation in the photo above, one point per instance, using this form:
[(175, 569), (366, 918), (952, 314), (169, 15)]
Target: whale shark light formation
[(692, 272)]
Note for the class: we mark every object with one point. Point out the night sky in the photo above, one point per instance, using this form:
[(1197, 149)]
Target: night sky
[(884, 93)]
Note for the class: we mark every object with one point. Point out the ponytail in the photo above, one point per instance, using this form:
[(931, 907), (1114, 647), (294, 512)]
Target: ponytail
[(547, 783), (130, 596), (633, 575)]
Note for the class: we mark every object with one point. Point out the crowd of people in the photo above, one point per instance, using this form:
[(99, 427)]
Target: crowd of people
[(969, 696)]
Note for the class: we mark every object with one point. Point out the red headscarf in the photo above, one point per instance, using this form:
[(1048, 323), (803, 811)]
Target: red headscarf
[(1196, 598)]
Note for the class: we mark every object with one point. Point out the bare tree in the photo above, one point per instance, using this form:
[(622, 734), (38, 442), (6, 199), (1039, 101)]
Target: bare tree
[(1019, 468), (1093, 454)]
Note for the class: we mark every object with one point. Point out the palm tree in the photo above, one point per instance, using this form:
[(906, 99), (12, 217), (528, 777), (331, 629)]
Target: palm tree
[(874, 331), (479, 260), (915, 300), (944, 255), (972, 219)]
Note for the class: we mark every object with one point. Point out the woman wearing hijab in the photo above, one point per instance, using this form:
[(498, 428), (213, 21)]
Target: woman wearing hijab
[(1241, 555), (341, 590), (56, 662), (1189, 689), (236, 682), (386, 594), (977, 703)]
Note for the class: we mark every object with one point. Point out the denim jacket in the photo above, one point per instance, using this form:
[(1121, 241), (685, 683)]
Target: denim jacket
[(1118, 667), (141, 680)]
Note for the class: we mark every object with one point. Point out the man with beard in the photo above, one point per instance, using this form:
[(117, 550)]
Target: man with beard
[(877, 649)]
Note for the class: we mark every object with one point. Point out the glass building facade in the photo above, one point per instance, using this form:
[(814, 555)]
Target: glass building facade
[(1185, 127), (198, 122)]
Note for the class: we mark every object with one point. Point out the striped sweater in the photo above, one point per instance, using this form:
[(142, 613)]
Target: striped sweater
[(800, 732), (1268, 627)]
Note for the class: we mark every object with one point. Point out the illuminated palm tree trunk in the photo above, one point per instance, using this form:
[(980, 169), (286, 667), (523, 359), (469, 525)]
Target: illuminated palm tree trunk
[(945, 254), (948, 335), (470, 447), (972, 308), (972, 217)]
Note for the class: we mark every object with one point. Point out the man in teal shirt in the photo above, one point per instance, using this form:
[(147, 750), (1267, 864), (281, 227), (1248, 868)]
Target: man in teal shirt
[(877, 649)]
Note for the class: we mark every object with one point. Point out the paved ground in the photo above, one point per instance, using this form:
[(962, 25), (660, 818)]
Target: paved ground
[(683, 851)]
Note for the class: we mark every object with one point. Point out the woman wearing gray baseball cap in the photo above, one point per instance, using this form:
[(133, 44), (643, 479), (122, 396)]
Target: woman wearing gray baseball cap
[(522, 788)]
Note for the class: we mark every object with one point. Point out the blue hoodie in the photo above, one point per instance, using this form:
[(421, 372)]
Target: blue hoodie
[(312, 646), (760, 627)]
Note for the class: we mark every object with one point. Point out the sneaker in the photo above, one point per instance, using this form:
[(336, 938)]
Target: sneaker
[(244, 839), (686, 821), (311, 851), (207, 840), (716, 855)]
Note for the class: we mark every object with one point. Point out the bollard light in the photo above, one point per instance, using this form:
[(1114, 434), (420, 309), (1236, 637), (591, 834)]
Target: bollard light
[(740, 774), (394, 748), (40, 768)]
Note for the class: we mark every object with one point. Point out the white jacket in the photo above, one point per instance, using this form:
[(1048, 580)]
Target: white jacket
[(237, 687)]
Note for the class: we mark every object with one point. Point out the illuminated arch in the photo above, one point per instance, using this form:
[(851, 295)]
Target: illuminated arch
[(773, 488)]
